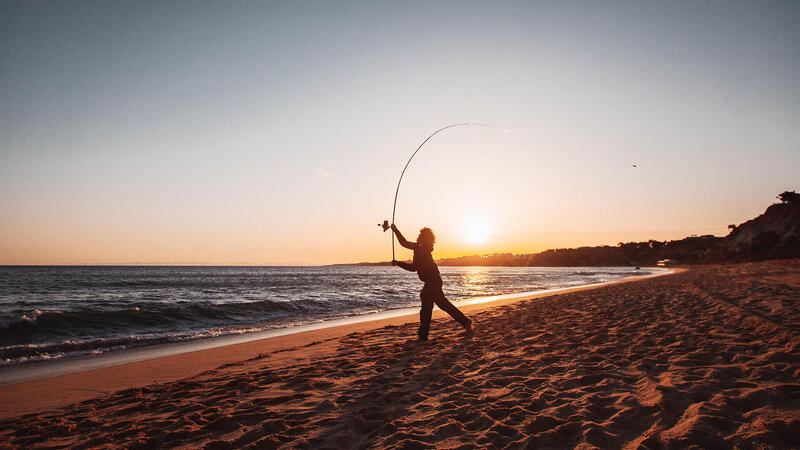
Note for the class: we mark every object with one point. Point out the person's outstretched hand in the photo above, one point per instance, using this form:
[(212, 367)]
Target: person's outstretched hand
[(394, 227), (394, 262)]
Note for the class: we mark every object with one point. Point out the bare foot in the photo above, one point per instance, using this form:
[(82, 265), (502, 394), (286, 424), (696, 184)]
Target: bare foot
[(469, 329)]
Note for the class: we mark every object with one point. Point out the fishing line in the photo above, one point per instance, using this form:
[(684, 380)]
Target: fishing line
[(385, 224)]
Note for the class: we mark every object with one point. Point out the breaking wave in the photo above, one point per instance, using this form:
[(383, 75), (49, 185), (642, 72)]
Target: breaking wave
[(56, 312)]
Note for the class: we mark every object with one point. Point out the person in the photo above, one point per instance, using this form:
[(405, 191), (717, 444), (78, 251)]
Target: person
[(428, 273)]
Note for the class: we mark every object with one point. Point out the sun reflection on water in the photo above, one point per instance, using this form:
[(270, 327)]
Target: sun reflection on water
[(475, 280)]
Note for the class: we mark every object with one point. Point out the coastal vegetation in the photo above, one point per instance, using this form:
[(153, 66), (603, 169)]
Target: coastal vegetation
[(775, 234)]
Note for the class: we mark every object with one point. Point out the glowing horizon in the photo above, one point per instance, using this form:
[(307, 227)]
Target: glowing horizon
[(273, 134)]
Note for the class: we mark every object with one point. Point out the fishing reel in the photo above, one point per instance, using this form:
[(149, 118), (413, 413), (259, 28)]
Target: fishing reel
[(385, 225)]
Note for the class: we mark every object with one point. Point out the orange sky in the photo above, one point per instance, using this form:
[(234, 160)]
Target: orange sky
[(274, 134)]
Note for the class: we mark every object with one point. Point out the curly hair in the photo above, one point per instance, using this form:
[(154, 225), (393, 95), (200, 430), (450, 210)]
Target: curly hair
[(428, 234)]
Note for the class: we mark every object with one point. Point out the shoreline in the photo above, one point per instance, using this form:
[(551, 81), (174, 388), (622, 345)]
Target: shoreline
[(40, 387), (707, 357), (42, 369)]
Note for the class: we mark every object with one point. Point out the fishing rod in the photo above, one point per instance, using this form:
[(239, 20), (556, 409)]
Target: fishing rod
[(385, 225)]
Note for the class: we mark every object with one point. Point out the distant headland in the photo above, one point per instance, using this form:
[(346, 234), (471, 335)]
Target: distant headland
[(775, 234)]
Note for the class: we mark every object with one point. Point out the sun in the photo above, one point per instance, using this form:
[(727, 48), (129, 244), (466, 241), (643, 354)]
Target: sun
[(476, 230)]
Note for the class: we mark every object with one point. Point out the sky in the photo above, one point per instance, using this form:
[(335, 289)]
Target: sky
[(274, 133)]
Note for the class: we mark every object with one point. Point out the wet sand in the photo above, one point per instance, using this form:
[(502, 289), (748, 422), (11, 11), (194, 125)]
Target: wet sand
[(709, 357)]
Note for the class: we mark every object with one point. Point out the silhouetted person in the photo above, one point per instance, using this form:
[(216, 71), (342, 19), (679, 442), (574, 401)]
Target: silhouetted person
[(428, 272)]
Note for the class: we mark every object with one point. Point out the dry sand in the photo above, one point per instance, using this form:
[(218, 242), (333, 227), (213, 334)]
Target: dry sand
[(709, 357)]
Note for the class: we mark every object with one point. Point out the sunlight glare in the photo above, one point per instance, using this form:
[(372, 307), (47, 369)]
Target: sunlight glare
[(476, 230)]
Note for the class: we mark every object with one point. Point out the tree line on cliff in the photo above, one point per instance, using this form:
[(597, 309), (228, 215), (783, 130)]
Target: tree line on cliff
[(775, 234)]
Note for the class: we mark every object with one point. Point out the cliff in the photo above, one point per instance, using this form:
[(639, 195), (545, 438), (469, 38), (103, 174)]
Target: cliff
[(775, 234)]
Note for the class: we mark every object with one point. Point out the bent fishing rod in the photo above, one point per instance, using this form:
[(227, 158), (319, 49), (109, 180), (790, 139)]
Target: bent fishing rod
[(385, 225)]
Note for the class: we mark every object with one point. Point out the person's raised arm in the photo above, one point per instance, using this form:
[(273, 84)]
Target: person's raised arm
[(403, 241)]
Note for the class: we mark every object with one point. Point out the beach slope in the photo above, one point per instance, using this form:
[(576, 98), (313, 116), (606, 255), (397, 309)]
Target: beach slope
[(709, 357)]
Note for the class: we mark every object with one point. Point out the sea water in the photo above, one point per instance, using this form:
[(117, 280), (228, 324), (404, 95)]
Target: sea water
[(58, 312)]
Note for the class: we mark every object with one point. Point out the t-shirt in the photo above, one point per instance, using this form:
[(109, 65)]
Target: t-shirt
[(426, 267)]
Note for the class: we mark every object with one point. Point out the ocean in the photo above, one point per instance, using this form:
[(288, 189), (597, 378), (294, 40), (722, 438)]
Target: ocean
[(51, 313)]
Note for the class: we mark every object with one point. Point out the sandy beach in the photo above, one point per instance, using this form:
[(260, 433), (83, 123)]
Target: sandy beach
[(707, 357)]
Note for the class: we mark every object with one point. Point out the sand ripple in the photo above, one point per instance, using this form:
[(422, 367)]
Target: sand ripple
[(709, 357)]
